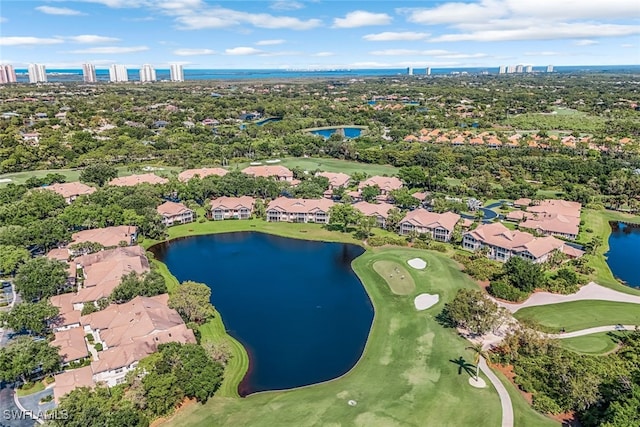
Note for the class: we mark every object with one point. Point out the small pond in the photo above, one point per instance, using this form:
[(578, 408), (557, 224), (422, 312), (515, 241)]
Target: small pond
[(296, 305), (624, 252), (347, 132)]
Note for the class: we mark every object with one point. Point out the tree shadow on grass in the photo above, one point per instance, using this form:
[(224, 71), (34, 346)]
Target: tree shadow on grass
[(465, 366)]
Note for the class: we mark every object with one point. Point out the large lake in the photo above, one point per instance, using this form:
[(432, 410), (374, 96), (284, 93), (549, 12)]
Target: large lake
[(296, 305), (624, 253)]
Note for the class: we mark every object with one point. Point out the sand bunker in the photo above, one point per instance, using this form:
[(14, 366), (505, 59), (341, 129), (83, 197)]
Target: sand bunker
[(424, 301), (4, 180), (417, 263)]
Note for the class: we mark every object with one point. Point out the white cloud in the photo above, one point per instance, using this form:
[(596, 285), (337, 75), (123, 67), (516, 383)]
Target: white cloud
[(243, 51), (109, 50), (193, 52), (436, 53), (92, 38), (286, 5), (222, 18), (544, 53), (627, 45), (548, 31), (3, 20), (388, 36), (28, 41), (585, 42), (50, 10), (323, 54), (118, 4), (451, 13), (269, 42), (361, 18)]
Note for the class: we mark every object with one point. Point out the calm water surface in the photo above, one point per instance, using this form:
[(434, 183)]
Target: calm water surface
[(296, 305), (624, 252)]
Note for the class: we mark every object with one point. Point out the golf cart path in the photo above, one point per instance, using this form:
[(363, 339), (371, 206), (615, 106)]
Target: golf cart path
[(505, 399), (590, 331), (592, 291)]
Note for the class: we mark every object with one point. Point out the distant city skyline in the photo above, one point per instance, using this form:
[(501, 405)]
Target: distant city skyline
[(279, 34)]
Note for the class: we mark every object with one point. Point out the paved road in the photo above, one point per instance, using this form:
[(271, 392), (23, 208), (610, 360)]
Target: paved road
[(10, 414), (590, 331), (505, 399), (592, 291)]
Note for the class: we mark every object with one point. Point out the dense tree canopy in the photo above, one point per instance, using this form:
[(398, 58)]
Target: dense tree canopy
[(192, 301), (40, 278)]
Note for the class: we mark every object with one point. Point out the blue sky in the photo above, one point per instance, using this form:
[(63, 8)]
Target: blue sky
[(319, 33)]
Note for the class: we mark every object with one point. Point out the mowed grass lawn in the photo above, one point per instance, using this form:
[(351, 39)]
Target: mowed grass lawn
[(72, 175), (594, 344), (577, 315), (397, 277), (404, 378), (332, 165)]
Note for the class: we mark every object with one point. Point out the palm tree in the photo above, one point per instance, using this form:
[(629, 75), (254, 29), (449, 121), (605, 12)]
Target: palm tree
[(478, 353)]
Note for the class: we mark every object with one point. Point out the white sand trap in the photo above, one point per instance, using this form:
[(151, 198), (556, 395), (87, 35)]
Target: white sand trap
[(424, 301), (417, 263), (3, 180)]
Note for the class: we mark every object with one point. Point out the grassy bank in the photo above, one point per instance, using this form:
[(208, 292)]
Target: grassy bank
[(598, 222), (405, 376), (577, 315), (332, 165)]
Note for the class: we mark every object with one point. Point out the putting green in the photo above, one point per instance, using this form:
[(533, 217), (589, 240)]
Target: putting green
[(396, 276), (594, 344)]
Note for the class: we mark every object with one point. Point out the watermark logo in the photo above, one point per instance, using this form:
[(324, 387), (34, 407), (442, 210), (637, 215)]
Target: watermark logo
[(55, 414)]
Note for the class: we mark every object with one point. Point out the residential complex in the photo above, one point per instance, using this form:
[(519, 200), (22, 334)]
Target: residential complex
[(231, 208), (280, 173), (438, 226), (126, 333), (284, 209), (89, 73), (173, 213), (387, 184), (7, 74), (131, 180), (177, 73), (147, 73), (70, 190), (503, 244), (549, 217), (37, 73), (380, 211), (188, 174), (118, 73), (122, 235)]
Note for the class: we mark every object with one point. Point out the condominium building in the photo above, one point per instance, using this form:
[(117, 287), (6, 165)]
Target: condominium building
[(89, 73), (118, 73), (177, 73), (519, 68), (147, 73), (428, 71), (37, 73), (549, 68), (410, 71), (503, 69), (7, 74), (529, 69)]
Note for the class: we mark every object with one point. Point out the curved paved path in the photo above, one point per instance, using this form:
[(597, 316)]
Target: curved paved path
[(505, 399), (592, 291), (590, 331)]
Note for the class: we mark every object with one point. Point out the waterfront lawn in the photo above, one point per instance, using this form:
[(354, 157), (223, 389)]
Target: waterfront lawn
[(594, 344), (404, 378), (598, 222), (397, 277), (577, 315)]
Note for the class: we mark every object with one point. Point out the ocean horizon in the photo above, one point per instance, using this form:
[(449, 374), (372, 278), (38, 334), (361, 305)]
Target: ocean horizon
[(193, 74)]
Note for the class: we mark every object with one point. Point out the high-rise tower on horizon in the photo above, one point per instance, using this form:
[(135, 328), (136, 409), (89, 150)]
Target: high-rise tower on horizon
[(549, 68), (118, 73), (428, 71), (7, 74), (177, 73), (147, 73), (502, 69), (89, 73), (37, 73)]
